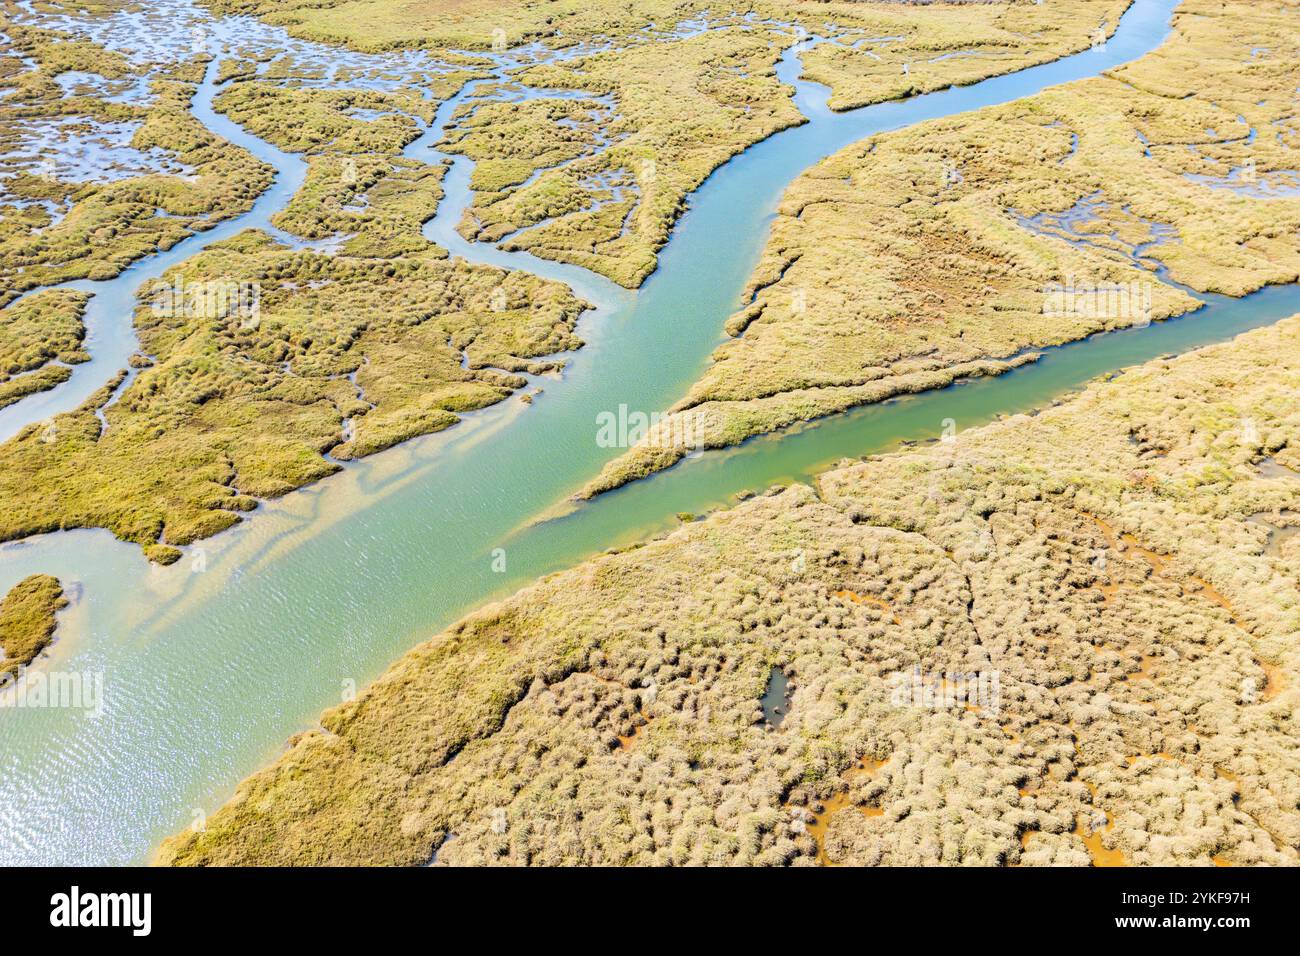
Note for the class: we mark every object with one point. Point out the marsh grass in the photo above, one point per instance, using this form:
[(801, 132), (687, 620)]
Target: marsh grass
[(42, 329), (28, 621), (227, 409), (106, 225)]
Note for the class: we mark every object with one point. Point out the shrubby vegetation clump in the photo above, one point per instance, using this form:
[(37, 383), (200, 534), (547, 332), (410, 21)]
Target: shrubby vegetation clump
[(1108, 559), (902, 49), (28, 619), (300, 120), (361, 193)]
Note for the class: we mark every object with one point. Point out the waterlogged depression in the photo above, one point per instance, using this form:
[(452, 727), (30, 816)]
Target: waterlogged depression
[(209, 665)]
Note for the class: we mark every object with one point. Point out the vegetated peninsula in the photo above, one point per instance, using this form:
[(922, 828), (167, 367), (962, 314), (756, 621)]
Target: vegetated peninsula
[(1062, 638), (41, 336), (28, 621), (366, 334), (1184, 160)]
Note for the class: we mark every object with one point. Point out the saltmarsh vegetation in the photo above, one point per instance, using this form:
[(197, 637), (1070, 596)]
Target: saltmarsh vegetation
[(895, 49), (974, 218), (339, 357), (1107, 560), (683, 105), (978, 29), (676, 89), (37, 332), (316, 120), (609, 191), (28, 619), (261, 366), (375, 25), (360, 191), (54, 229), (383, 340)]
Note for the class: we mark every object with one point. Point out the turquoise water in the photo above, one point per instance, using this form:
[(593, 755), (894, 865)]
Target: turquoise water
[(211, 664)]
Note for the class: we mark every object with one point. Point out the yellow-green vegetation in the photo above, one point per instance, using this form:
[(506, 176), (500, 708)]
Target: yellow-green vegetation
[(909, 255), (1113, 568), (27, 622), (359, 188), (600, 182), (107, 224), (42, 328), (460, 24), (989, 28), (314, 120), (509, 142), (16, 389), (172, 464), (374, 204), (261, 361), (681, 109), (895, 49)]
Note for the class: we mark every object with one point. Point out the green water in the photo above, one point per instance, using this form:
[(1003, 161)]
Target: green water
[(211, 664)]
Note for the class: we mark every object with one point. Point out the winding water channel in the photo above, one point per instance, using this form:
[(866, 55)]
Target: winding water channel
[(110, 336), (210, 665)]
